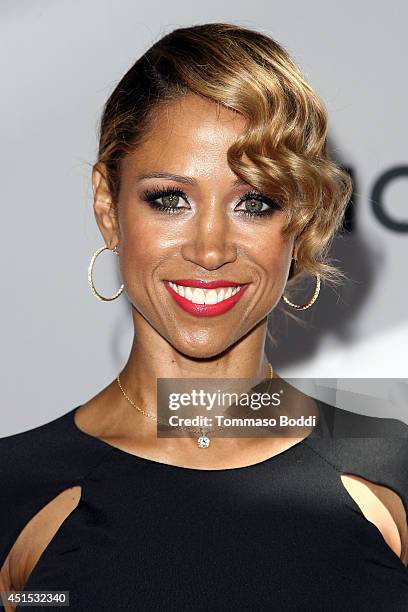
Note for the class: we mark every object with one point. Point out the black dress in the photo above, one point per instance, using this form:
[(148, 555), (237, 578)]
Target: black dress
[(281, 534)]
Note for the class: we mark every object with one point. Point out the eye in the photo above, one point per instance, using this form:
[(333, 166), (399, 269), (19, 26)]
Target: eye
[(166, 199), (169, 199), (258, 205)]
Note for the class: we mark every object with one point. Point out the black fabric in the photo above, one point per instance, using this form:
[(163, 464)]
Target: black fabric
[(282, 534)]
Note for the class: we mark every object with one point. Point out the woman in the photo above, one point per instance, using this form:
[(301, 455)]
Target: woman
[(212, 168)]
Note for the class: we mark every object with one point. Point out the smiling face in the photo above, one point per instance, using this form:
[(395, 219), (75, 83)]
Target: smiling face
[(183, 217)]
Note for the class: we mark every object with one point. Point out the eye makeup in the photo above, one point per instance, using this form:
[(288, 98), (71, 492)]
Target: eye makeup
[(152, 197)]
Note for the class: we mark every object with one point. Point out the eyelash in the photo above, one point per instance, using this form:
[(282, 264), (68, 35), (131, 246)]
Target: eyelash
[(152, 195)]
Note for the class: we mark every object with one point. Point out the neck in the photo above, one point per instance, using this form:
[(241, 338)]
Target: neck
[(152, 357)]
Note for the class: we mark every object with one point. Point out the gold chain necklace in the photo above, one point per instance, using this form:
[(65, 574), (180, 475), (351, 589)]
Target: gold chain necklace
[(203, 441)]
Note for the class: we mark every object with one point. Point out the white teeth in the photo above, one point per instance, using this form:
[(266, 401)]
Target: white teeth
[(211, 297), (205, 296), (198, 296), (220, 295), (188, 294)]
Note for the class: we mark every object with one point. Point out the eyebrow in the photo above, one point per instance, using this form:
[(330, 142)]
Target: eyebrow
[(186, 180)]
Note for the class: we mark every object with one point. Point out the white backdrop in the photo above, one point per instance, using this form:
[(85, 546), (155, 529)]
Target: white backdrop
[(59, 62)]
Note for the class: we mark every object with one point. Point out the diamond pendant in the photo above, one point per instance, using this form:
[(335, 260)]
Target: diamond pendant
[(203, 441)]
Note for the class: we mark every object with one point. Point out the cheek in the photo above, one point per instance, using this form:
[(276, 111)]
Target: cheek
[(141, 240), (137, 263), (276, 264), (144, 253), (273, 254), (144, 233), (139, 258), (280, 260)]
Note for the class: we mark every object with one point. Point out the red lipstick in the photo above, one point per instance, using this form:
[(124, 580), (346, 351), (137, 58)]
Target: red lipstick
[(205, 310)]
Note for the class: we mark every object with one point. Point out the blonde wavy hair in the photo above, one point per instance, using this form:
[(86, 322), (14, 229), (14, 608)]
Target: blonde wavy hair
[(283, 152)]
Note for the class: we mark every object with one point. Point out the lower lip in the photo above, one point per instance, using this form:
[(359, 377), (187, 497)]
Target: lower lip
[(206, 310)]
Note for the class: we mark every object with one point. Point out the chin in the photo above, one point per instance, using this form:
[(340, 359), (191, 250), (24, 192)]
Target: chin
[(199, 349)]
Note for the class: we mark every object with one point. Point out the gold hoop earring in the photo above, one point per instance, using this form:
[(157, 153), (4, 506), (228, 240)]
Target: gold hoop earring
[(90, 279), (312, 299)]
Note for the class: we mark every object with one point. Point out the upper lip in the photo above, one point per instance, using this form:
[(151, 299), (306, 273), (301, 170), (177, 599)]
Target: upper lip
[(203, 284)]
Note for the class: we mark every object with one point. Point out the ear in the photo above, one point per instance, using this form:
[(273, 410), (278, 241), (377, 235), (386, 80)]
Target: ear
[(293, 261), (104, 209)]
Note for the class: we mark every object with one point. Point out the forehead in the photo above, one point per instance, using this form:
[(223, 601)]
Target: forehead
[(190, 135)]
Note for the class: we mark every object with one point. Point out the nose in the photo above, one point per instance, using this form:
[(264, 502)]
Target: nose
[(210, 242)]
